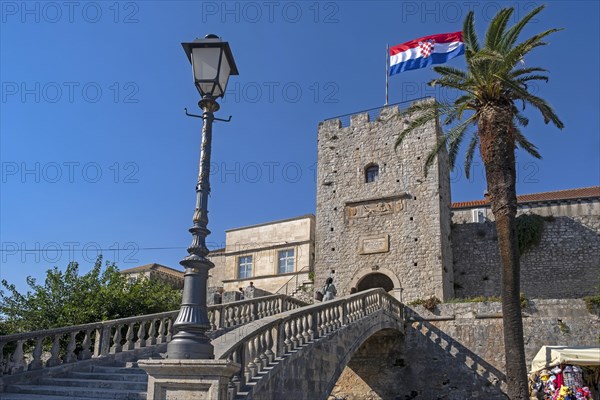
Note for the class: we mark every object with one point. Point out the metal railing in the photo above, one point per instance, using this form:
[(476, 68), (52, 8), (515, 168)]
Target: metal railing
[(374, 112), (285, 289), (99, 339)]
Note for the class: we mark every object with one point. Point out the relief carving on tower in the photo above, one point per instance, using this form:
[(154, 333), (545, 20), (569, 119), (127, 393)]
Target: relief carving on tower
[(373, 207)]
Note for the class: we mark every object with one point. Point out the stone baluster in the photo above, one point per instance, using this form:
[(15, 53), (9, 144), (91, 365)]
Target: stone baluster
[(269, 346), (141, 334), (2, 358), (252, 367), (254, 311), (258, 360), (170, 331), (328, 318), (293, 338), (85, 346), (54, 359), (279, 339), (311, 318), (287, 341), (161, 331), (102, 342), (129, 345), (345, 311), (151, 341), (238, 379), (70, 355), (305, 328), (229, 312), (299, 331), (17, 361), (263, 353), (117, 347), (36, 363)]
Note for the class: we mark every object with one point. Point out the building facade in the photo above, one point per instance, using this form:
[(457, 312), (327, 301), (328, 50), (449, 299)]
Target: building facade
[(276, 256)]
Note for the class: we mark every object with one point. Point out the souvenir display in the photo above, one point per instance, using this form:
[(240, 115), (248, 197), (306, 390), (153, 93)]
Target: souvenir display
[(564, 382)]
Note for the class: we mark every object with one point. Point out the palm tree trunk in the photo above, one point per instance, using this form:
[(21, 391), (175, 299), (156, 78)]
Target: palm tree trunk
[(497, 148)]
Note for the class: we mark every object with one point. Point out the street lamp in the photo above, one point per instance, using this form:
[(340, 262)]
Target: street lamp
[(212, 64)]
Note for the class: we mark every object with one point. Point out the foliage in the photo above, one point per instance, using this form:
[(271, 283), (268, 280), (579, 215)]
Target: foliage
[(495, 76), (529, 231), (68, 298), (311, 276), (593, 303), (430, 304), (476, 299), (494, 91)]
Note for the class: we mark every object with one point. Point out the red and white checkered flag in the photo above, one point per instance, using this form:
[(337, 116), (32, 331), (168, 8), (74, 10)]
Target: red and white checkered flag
[(426, 47)]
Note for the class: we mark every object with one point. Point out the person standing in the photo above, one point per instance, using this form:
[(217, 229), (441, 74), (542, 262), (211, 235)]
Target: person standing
[(329, 290), (250, 291), (242, 294)]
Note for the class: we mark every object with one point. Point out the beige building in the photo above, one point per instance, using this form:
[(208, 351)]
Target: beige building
[(559, 203), (158, 272), (277, 256)]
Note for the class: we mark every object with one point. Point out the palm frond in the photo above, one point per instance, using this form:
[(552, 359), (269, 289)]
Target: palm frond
[(427, 111), (521, 71), (469, 36), (526, 144), (510, 38), (547, 112), (495, 32), (456, 136), (451, 72), (470, 154)]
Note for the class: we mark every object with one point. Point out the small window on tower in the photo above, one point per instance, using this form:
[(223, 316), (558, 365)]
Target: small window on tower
[(371, 173)]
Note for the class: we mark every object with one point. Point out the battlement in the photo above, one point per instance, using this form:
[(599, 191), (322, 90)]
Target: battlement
[(369, 115)]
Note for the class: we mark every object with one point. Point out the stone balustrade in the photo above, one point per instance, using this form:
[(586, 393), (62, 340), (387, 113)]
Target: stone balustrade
[(273, 337), (48, 348)]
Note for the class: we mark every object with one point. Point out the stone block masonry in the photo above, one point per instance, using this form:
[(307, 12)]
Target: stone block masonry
[(398, 224), (565, 264)]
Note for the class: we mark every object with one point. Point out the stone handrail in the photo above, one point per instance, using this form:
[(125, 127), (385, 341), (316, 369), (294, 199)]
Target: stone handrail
[(273, 337), (99, 339)]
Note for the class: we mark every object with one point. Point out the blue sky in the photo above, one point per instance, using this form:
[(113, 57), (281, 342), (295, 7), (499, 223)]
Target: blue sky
[(96, 151)]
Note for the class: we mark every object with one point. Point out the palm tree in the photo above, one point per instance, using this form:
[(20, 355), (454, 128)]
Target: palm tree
[(493, 92)]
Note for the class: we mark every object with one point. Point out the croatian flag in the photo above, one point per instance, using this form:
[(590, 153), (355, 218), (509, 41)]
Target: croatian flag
[(422, 52)]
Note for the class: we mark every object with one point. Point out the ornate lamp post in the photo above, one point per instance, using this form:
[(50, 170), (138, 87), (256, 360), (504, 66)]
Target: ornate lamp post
[(212, 64)]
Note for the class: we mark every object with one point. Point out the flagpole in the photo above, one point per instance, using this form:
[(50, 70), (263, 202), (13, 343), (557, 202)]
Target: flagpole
[(387, 67)]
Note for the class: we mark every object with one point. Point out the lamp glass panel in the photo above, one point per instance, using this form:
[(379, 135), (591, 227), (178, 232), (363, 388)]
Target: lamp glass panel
[(205, 61), (224, 72)]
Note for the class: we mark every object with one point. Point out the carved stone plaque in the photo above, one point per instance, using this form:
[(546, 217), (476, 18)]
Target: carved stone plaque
[(374, 244), (369, 208)]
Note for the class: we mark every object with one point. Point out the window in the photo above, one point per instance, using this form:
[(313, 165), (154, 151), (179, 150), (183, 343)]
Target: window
[(245, 267), (286, 261), (371, 173), (478, 215)]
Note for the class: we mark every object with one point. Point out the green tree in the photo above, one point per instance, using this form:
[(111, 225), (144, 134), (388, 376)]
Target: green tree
[(68, 298), (493, 92)]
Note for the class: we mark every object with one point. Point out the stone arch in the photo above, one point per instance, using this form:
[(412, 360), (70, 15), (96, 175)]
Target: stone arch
[(363, 273), (288, 378)]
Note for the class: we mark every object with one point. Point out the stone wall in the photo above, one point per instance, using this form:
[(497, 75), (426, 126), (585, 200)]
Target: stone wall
[(566, 264), (556, 208), (391, 226), (457, 352)]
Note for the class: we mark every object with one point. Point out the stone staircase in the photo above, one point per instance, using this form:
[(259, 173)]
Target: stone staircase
[(117, 381), (99, 360)]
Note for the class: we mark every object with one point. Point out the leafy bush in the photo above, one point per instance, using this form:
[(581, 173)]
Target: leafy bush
[(68, 298), (529, 231)]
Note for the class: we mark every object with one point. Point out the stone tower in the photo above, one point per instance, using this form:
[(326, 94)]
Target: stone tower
[(380, 221)]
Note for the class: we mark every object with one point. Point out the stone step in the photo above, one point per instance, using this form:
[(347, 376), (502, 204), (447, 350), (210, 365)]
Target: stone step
[(28, 396), (95, 383), (109, 376), (72, 392), (118, 370)]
